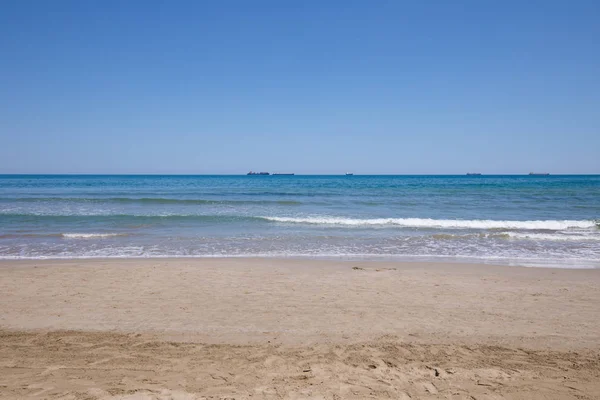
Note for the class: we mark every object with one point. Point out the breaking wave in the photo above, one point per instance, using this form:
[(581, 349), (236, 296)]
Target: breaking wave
[(90, 235), (441, 223)]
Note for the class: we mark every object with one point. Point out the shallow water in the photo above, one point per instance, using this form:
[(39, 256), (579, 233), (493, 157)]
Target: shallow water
[(527, 220)]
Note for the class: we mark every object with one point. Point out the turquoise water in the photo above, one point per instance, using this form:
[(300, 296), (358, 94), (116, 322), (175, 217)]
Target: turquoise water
[(530, 220)]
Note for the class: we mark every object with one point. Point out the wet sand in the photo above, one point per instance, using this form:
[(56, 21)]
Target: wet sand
[(268, 328)]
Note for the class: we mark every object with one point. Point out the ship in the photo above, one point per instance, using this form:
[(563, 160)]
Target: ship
[(278, 173), (473, 173), (257, 173), (539, 173), (349, 174)]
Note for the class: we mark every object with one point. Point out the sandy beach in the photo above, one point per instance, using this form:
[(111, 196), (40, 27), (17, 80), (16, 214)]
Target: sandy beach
[(292, 329)]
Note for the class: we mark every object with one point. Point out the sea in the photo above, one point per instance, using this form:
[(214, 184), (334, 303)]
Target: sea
[(513, 220)]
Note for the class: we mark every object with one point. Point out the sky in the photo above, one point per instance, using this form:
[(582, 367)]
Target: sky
[(371, 87)]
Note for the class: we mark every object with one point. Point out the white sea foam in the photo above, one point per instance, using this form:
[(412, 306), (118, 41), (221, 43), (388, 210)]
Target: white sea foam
[(90, 235), (440, 223), (554, 237)]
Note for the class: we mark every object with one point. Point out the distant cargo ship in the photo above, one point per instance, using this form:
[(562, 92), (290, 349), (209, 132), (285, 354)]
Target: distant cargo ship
[(277, 173), (473, 173), (539, 173), (349, 174), (258, 173)]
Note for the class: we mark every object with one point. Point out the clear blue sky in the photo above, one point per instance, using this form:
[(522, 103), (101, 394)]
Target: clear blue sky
[(301, 86)]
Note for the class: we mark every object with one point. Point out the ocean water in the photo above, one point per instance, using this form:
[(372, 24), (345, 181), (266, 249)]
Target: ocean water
[(523, 220)]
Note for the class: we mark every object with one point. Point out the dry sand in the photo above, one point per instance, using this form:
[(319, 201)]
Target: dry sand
[(278, 329)]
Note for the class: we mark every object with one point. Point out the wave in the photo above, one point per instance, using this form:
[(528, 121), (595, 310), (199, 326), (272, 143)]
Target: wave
[(449, 236), (553, 237), (441, 223), (440, 236), (90, 235), (60, 235), (422, 223), (520, 236)]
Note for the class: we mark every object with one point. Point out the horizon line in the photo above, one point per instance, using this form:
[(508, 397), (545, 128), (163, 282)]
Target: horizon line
[(294, 174)]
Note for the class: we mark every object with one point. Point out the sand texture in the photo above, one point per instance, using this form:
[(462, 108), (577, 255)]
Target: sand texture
[(295, 329)]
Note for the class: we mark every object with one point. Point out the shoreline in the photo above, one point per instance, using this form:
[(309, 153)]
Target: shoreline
[(369, 258)]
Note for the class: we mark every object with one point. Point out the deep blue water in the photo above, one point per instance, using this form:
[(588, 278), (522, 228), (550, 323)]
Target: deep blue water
[(530, 220)]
